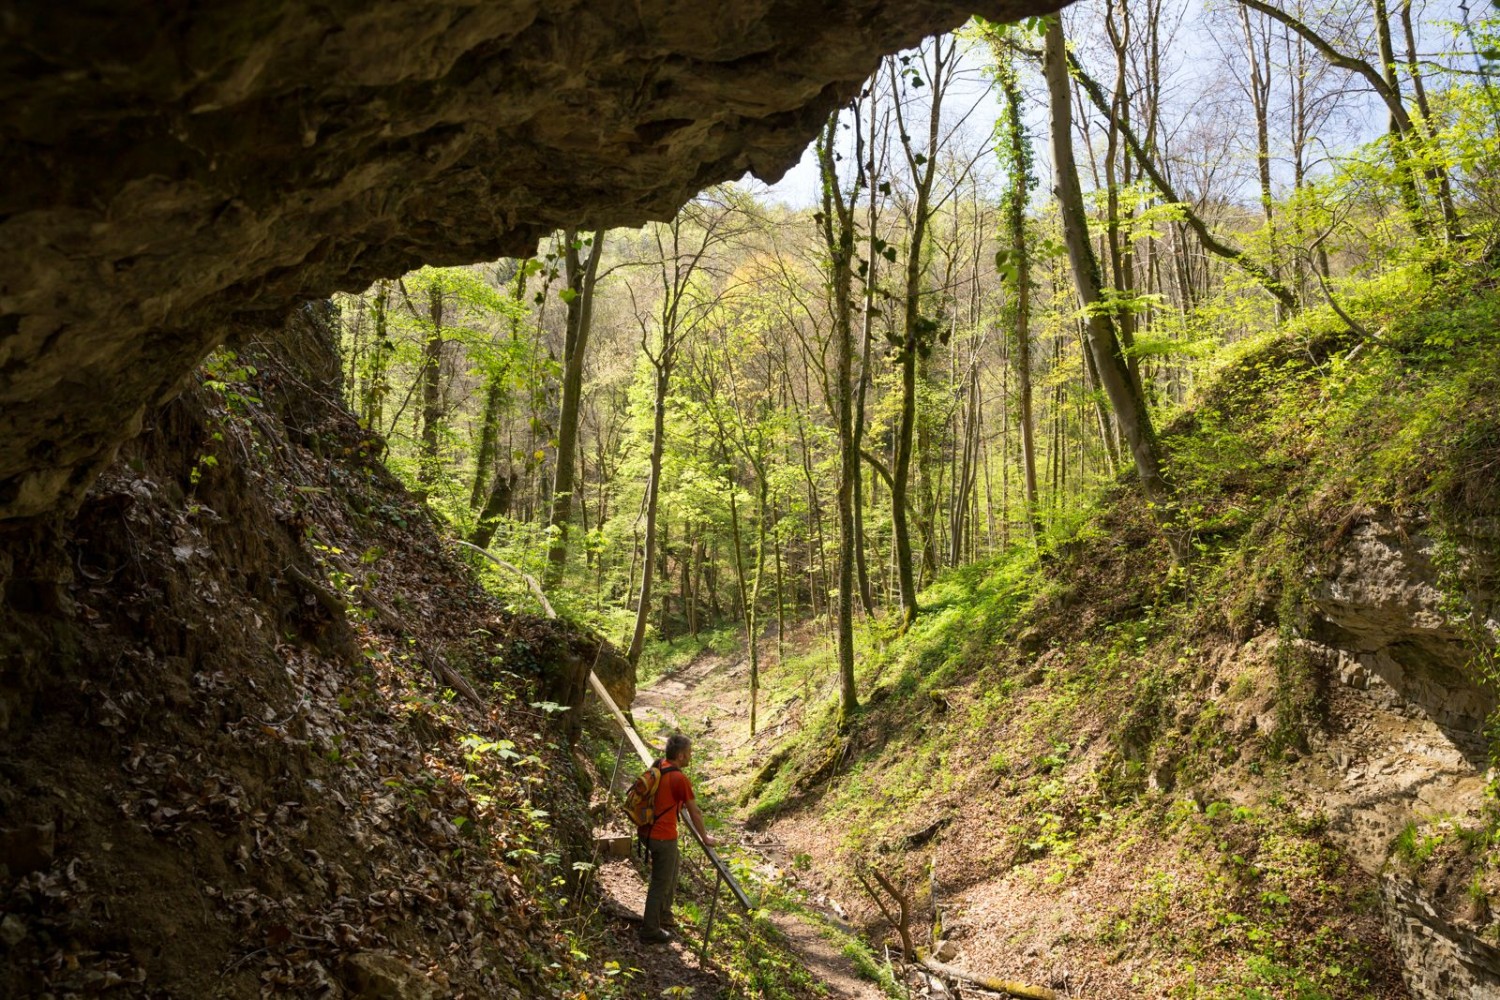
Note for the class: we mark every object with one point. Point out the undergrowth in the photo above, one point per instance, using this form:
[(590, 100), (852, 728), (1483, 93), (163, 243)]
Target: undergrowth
[(1078, 684)]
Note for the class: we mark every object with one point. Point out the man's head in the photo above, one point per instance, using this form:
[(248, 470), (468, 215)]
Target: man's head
[(679, 749)]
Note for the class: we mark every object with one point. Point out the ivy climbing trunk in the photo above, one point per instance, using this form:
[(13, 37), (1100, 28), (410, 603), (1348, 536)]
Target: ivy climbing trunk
[(838, 239), (432, 386), (582, 274)]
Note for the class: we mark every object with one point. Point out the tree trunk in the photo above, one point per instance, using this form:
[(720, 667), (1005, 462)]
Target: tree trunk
[(747, 599), (838, 238), (1124, 394), (653, 488), (432, 387), (581, 277), (872, 218), (377, 385), (496, 506), (494, 400), (1260, 102), (917, 330), (1018, 155)]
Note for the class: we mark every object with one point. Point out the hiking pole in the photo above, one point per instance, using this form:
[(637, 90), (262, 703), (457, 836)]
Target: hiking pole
[(713, 905)]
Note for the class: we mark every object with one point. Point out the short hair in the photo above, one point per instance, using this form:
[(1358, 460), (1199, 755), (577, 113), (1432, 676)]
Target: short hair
[(676, 743)]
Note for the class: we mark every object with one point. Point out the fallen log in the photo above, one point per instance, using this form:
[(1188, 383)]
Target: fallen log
[(998, 985)]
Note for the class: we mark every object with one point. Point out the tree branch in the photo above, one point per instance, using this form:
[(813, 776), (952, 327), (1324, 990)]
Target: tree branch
[(879, 467), (1343, 61), (1212, 244)]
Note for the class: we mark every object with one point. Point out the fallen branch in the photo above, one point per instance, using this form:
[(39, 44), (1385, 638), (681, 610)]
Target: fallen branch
[(998, 985), (436, 663), (880, 903), (536, 588)]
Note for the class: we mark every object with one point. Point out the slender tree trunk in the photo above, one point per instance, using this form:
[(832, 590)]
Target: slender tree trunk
[(1117, 174), (581, 277), (1019, 260), (780, 586), (653, 492), (747, 606), (1257, 51), (377, 385), (916, 337), (432, 387), (872, 218), (496, 505), (494, 400), (1427, 126), (838, 238), (1124, 395)]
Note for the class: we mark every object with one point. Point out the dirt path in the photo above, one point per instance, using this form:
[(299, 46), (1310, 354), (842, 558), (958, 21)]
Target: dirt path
[(704, 699)]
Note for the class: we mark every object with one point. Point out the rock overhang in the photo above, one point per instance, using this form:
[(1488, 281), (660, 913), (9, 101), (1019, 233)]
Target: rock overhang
[(174, 173)]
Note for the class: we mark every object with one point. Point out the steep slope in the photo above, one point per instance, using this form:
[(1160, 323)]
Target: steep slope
[(232, 758), (1264, 774)]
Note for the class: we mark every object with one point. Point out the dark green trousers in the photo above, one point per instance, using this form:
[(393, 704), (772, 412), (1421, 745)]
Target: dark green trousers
[(663, 887)]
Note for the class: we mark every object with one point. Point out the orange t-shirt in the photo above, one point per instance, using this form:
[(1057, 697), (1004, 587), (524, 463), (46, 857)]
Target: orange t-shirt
[(674, 790)]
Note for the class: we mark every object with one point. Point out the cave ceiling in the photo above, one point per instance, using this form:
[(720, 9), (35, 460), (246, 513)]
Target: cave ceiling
[(175, 172)]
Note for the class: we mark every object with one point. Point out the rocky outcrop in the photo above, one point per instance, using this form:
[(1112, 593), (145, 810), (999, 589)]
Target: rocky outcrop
[(1403, 620), (1443, 961), (1409, 613), (173, 172), (232, 762)]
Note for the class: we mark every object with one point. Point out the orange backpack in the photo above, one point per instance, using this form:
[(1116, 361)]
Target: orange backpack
[(640, 801)]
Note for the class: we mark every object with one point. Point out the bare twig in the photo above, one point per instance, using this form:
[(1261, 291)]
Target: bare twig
[(908, 950)]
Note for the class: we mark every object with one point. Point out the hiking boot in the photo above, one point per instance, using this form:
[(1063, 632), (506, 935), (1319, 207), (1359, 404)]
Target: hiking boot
[(655, 937)]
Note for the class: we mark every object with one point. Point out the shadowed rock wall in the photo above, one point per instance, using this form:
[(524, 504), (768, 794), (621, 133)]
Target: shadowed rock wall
[(174, 170)]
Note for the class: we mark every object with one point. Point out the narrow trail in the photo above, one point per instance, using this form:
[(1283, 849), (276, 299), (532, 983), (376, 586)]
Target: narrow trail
[(709, 699)]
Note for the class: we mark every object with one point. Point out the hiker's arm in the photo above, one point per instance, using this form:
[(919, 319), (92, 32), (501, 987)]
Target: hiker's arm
[(696, 815)]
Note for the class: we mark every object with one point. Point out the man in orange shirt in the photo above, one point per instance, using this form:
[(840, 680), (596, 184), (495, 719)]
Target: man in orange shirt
[(674, 792)]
